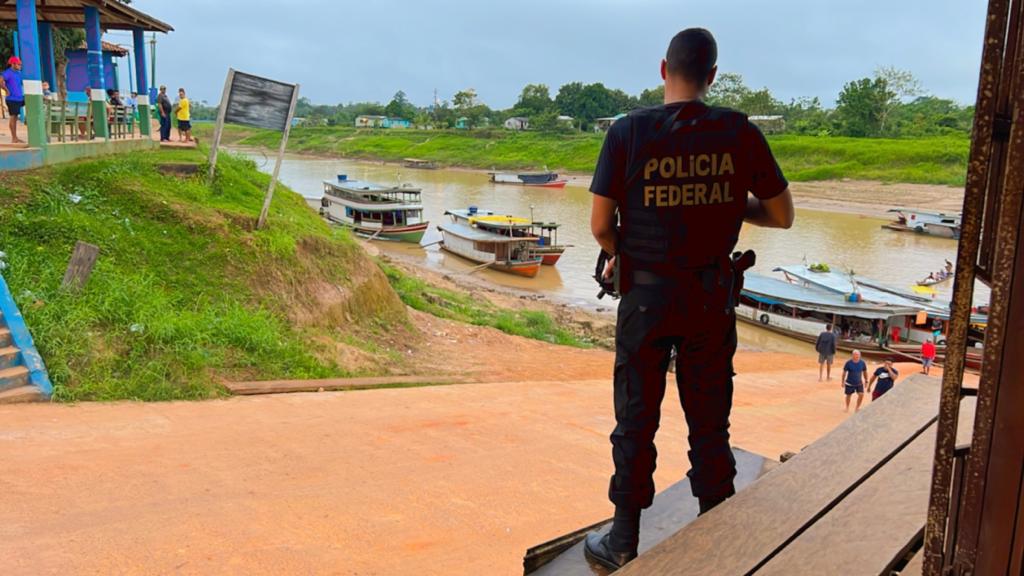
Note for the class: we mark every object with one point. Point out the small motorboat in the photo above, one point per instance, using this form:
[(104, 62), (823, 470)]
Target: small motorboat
[(542, 179)]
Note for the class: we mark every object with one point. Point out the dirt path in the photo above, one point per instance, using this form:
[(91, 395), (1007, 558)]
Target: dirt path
[(456, 479)]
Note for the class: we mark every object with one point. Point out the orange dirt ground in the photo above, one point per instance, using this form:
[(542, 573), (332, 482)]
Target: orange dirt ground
[(457, 479)]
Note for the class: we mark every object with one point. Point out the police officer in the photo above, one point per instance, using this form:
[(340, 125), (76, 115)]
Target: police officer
[(672, 187)]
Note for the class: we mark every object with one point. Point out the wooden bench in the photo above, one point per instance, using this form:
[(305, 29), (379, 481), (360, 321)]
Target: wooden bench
[(853, 502)]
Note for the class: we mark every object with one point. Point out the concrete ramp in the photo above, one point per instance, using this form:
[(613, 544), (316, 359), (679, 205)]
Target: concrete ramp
[(23, 376), (673, 508)]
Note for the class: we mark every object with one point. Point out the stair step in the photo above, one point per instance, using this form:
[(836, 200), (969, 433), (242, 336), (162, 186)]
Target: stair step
[(13, 377), (5, 337), (8, 357), (21, 394)]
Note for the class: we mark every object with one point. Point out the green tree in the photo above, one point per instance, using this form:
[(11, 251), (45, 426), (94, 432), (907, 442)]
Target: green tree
[(861, 106), (652, 97), (902, 86), (533, 100), (728, 90), (806, 116), (400, 107)]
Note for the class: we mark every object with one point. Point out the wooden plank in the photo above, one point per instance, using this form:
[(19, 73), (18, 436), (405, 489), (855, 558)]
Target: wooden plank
[(334, 384), (672, 508), (80, 266), (744, 532), (877, 524)]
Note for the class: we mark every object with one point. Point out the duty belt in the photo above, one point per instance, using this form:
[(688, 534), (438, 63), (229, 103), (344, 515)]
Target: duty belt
[(649, 278)]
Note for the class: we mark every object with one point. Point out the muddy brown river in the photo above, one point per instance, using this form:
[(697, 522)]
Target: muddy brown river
[(844, 241)]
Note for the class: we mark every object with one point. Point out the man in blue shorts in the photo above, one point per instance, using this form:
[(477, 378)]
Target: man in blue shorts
[(11, 81), (855, 372), (886, 376)]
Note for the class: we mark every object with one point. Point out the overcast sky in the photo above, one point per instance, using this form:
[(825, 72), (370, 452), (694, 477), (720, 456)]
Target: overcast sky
[(354, 50)]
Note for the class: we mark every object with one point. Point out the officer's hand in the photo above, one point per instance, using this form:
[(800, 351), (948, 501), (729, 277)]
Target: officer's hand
[(609, 268)]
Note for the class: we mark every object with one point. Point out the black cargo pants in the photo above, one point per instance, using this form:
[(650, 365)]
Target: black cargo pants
[(693, 312)]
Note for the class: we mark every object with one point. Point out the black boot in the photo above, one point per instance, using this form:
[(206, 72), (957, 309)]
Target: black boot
[(619, 545), (706, 504), (599, 549)]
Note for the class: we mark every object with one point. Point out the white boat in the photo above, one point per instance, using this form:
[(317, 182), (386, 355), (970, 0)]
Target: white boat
[(387, 212), (925, 222), (544, 179), (507, 253)]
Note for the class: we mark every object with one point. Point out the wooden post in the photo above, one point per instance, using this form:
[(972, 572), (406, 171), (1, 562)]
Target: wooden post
[(80, 267), (280, 157), (219, 127)]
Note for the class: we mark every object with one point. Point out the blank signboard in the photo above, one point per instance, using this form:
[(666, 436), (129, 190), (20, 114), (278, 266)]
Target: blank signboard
[(258, 102)]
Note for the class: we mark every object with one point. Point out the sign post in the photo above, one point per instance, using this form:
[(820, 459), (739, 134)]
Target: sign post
[(261, 103)]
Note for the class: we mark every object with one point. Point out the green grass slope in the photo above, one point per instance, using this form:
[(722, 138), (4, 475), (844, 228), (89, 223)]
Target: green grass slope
[(185, 292), (934, 160)]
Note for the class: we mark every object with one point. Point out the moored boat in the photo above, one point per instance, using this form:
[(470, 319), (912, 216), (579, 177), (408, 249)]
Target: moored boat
[(419, 164), (925, 222), (543, 179), (878, 320), (546, 233), (510, 254), (389, 213)]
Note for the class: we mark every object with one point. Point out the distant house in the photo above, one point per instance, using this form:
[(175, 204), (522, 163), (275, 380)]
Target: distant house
[(396, 123), (769, 124), (603, 124), (567, 120), (369, 121), (462, 123), (517, 123)]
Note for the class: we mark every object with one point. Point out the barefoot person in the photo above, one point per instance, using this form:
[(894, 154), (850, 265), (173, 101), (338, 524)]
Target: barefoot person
[(670, 230), (886, 376), (10, 81), (855, 373), (826, 347)]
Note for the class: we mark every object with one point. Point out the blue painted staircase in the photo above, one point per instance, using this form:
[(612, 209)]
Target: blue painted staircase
[(23, 376)]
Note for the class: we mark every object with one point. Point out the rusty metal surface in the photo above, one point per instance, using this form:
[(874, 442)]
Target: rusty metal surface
[(963, 288), (993, 475)]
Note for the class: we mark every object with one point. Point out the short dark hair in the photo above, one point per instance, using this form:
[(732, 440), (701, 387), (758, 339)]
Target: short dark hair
[(692, 54), (828, 326)]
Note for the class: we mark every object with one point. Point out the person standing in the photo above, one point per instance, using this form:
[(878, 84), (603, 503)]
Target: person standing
[(670, 193), (826, 347), (928, 354), (886, 377), (164, 106), (11, 82), (855, 373), (184, 117)]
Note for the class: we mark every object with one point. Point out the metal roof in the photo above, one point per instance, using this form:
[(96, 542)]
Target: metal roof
[(870, 290), (772, 291), (477, 235), (71, 14)]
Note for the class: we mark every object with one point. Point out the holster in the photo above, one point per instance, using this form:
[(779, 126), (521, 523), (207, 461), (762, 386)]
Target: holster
[(609, 286), (741, 262)]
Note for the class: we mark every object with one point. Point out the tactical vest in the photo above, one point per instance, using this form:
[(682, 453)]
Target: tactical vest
[(686, 192)]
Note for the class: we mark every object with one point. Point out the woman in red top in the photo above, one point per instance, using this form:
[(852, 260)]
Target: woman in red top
[(927, 355)]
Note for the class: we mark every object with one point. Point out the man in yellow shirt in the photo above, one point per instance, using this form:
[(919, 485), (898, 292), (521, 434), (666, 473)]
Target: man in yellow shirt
[(184, 116)]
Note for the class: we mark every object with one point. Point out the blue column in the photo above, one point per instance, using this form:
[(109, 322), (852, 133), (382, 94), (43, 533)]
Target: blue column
[(141, 84), (28, 38), (46, 56), (97, 82)]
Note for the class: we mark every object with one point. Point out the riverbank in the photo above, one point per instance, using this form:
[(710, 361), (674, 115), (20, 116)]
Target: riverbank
[(453, 480), (934, 160)]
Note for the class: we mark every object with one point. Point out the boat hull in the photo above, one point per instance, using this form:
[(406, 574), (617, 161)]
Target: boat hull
[(939, 231), (412, 234), (526, 268), (549, 257)]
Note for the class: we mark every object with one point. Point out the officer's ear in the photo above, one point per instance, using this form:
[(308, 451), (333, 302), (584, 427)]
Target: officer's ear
[(711, 75), (664, 69)]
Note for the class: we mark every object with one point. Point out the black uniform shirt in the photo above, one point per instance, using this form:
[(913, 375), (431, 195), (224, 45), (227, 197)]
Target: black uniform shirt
[(682, 193)]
